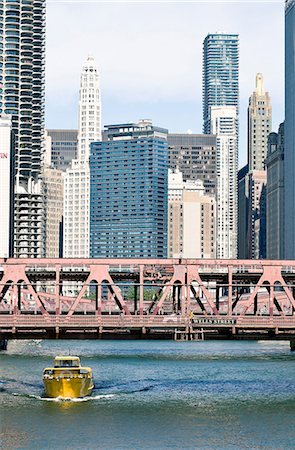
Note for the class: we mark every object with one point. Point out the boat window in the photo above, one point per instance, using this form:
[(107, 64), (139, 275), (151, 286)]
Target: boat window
[(67, 363)]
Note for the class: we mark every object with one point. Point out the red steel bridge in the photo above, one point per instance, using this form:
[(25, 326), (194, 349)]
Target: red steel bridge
[(185, 298)]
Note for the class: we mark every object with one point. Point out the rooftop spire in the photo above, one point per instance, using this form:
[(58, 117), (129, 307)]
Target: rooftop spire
[(259, 84)]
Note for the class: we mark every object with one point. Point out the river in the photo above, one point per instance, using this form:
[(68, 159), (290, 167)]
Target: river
[(153, 395)]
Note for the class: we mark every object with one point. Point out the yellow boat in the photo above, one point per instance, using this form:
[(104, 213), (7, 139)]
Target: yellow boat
[(67, 379)]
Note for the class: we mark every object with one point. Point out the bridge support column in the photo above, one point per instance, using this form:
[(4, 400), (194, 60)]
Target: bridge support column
[(98, 292), (57, 291), (230, 291), (292, 345), (135, 298), (141, 290), (217, 297), (3, 344), (255, 304)]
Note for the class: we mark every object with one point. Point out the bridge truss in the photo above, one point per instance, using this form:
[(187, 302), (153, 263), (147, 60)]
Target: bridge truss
[(86, 297)]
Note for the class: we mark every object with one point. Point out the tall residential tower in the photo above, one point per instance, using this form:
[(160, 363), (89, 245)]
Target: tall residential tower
[(221, 117), (223, 124), (220, 74), (22, 44)]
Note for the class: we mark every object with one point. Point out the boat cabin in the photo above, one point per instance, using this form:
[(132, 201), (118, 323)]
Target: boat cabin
[(66, 361)]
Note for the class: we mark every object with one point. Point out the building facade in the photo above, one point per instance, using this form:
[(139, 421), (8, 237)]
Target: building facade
[(54, 192), (220, 74), (62, 148), (128, 192), (76, 187), (22, 43), (195, 156), (223, 124), (289, 154), (191, 219), (6, 186), (275, 196), (259, 125), (243, 214), (76, 211), (256, 233)]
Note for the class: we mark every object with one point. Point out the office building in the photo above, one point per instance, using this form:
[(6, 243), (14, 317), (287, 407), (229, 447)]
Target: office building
[(220, 74), (252, 184), (275, 196), (53, 192), (22, 97), (62, 148), (289, 155), (195, 156), (76, 187), (259, 125), (191, 219), (223, 124), (128, 192), (6, 186)]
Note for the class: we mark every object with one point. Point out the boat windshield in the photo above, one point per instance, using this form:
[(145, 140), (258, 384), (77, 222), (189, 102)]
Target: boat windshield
[(66, 363)]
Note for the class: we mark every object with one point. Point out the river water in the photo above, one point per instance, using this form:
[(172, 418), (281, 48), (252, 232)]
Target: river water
[(153, 395)]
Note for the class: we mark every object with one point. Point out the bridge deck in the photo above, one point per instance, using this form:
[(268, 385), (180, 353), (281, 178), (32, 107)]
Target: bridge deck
[(80, 297)]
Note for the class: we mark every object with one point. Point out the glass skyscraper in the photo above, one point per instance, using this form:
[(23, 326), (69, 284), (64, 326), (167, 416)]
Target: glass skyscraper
[(220, 73), (289, 165), (221, 117), (129, 192)]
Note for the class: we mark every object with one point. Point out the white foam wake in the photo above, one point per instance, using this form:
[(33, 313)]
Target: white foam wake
[(74, 400)]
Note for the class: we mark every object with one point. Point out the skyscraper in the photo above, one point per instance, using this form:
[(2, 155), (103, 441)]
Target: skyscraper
[(220, 74), (275, 196), (89, 109), (221, 117), (76, 188), (223, 124), (22, 42), (128, 192), (289, 165), (259, 125), (6, 186)]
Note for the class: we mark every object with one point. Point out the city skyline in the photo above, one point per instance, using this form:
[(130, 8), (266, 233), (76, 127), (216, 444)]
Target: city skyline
[(171, 81)]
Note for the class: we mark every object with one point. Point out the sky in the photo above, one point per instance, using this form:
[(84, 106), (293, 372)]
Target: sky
[(149, 55)]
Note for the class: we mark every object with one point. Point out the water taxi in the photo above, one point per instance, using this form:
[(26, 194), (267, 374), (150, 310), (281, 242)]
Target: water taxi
[(67, 379)]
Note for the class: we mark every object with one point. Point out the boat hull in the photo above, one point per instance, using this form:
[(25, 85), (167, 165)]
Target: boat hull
[(68, 387)]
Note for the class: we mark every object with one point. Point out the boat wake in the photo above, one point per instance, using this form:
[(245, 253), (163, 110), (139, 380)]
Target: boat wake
[(74, 400)]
